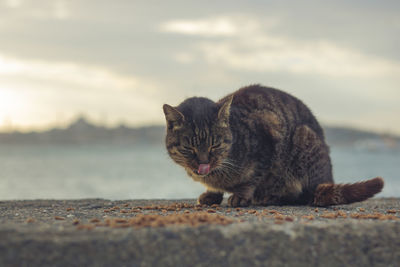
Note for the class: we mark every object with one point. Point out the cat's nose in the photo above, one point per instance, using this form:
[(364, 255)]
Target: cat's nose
[(203, 162), (203, 158)]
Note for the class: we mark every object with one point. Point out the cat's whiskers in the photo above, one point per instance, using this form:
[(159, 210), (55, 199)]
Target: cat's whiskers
[(180, 161), (227, 169), (231, 164)]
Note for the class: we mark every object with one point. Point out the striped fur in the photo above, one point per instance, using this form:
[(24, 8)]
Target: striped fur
[(337, 194), (262, 145)]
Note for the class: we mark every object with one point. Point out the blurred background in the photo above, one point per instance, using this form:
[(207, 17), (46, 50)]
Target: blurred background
[(82, 85)]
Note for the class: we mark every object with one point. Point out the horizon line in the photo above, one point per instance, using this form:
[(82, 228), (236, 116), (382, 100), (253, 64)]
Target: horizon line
[(109, 126)]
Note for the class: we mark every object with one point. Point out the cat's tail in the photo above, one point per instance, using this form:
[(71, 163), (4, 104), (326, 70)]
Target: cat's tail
[(336, 194)]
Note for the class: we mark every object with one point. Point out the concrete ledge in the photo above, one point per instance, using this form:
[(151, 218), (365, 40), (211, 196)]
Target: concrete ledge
[(251, 241)]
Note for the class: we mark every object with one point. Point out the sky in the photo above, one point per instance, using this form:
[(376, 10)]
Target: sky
[(119, 63)]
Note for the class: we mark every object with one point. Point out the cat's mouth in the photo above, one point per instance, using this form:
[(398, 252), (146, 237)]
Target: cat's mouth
[(203, 169)]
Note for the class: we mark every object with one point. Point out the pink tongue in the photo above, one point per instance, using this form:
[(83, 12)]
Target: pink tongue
[(204, 168)]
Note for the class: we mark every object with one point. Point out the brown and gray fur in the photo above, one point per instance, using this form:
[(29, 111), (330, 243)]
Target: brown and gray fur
[(264, 146)]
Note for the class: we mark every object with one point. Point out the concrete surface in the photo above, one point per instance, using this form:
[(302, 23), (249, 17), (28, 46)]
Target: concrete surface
[(63, 233)]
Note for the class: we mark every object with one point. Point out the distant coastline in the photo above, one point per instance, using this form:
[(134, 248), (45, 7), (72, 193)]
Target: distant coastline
[(82, 131)]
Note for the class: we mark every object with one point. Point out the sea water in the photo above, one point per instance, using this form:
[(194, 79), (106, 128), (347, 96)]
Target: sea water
[(143, 172)]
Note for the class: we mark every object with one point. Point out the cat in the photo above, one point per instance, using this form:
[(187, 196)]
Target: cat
[(260, 144)]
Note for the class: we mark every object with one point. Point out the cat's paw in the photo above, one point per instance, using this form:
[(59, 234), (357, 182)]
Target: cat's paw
[(236, 201), (209, 198)]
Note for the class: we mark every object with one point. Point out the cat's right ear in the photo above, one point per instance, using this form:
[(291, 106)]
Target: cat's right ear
[(173, 116), (224, 111)]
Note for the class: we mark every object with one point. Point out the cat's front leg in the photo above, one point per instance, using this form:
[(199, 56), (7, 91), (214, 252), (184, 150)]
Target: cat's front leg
[(242, 196), (209, 198), (236, 201)]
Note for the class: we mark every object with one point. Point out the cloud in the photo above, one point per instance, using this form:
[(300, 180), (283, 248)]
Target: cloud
[(47, 9), (32, 92), (64, 72), (212, 27), (249, 44), (13, 3)]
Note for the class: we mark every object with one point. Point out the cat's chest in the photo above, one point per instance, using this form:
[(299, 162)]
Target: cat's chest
[(225, 180)]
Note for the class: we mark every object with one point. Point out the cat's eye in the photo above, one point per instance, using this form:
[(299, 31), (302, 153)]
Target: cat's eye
[(216, 146), (189, 149)]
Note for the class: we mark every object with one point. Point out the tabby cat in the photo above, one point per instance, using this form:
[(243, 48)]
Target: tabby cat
[(260, 144)]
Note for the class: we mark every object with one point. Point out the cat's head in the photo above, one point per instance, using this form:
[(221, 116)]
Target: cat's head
[(198, 134)]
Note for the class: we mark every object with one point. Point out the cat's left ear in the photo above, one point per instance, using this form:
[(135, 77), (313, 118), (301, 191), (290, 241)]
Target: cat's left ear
[(224, 111)]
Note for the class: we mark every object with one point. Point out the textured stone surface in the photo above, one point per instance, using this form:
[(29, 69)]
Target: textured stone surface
[(257, 238)]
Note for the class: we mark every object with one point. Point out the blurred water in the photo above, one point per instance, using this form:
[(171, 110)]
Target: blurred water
[(352, 165), (126, 172)]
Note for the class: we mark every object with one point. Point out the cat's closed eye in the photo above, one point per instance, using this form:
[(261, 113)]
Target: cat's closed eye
[(188, 148), (215, 147), (187, 151)]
